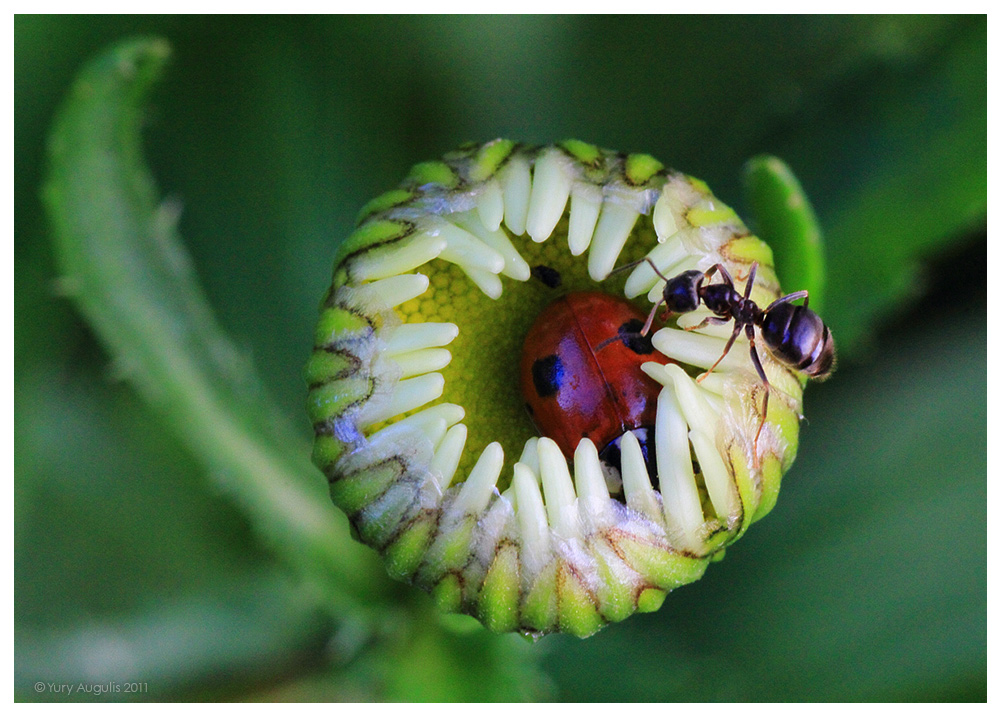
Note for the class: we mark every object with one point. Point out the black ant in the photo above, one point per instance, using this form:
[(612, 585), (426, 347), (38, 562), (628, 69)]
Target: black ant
[(794, 335)]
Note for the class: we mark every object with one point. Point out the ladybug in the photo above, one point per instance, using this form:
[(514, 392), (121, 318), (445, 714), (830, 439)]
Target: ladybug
[(581, 376)]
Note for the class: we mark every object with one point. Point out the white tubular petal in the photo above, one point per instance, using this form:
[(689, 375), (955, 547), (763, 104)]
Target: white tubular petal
[(665, 257), (716, 383), (590, 483), (466, 250), (697, 412), (613, 229), (697, 349), (703, 421), (448, 412), (400, 289), (514, 266), (720, 485), (668, 209), (560, 498), (410, 394), (417, 336), (423, 361), (656, 292), (639, 494), (413, 253), (713, 401), (449, 454), (584, 208), (487, 282), (435, 429), (681, 503), (529, 455), (489, 205), (549, 192), (535, 549), (477, 489), (515, 179)]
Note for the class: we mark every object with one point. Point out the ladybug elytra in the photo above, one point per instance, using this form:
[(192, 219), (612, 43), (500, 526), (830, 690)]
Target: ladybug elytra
[(581, 376)]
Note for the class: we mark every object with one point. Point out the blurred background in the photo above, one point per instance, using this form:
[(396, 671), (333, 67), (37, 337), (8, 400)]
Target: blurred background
[(868, 580)]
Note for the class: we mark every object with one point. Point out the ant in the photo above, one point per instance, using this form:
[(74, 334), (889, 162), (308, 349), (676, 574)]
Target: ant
[(795, 336)]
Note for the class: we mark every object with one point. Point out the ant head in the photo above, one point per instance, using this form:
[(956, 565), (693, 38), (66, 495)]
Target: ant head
[(681, 294)]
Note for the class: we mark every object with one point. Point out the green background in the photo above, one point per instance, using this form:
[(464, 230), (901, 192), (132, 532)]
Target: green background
[(867, 582)]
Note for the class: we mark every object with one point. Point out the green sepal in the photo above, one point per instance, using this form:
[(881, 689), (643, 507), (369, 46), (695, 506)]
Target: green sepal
[(489, 159), (640, 168), (383, 202), (447, 594), (327, 402), (583, 152), (711, 213), (327, 450), (353, 492), (322, 367), (499, 597), (449, 551), (369, 235), (578, 614), (379, 521), (439, 173), (748, 249), (403, 557), (541, 606), (661, 567), (650, 599), (614, 594)]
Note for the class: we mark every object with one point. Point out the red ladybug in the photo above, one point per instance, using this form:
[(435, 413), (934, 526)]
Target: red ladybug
[(580, 375)]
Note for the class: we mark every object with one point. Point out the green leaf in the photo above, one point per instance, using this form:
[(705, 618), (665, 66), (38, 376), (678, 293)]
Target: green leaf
[(124, 265), (786, 221), (250, 629)]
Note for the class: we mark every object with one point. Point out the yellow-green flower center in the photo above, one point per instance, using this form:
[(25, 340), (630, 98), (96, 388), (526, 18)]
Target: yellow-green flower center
[(483, 376)]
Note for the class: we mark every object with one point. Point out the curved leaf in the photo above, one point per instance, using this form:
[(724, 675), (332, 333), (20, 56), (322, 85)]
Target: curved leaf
[(128, 273), (786, 221)]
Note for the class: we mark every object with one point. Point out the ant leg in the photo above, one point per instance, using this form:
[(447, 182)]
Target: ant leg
[(643, 332), (767, 392), (750, 279), (710, 321), (721, 269), (633, 264), (790, 297), (729, 344), (649, 320)]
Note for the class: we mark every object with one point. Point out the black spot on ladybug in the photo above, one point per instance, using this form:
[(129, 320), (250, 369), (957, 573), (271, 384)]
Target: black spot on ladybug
[(631, 336), (547, 375), (611, 455), (547, 275)]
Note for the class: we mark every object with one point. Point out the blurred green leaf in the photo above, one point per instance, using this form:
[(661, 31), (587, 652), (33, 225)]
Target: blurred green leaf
[(785, 219), (129, 274), (245, 630), (897, 172)]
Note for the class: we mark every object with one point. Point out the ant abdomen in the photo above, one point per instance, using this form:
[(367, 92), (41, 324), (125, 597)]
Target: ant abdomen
[(798, 337)]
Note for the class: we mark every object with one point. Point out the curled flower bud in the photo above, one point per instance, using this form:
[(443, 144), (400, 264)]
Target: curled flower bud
[(421, 372)]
